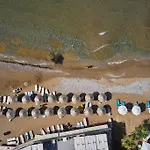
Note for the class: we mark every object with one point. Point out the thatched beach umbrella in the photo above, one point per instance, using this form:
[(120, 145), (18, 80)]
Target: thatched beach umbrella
[(35, 113), (12, 99), (49, 112), (63, 99), (23, 113), (89, 97), (74, 111), (38, 99), (61, 112), (136, 110), (76, 99), (26, 99), (122, 110), (88, 111), (10, 114), (51, 98), (101, 111)]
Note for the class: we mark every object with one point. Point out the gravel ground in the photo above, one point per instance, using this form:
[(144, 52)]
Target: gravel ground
[(79, 85)]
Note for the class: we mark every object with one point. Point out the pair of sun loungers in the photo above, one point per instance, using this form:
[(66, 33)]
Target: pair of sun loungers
[(52, 129), (5, 100), (82, 124), (21, 139)]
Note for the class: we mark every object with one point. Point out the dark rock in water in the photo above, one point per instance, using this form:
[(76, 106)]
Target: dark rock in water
[(58, 58)]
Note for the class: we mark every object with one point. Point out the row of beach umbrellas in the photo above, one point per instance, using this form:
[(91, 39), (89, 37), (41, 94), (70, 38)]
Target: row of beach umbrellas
[(10, 114), (136, 110), (53, 98), (63, 98)]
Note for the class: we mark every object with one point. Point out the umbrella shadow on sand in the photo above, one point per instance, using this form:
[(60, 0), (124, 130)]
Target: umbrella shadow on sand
[(108, 109), (95, 94), (17, 111), (58, 95), (20, 97), (68, 108), (129, 106), (108, 95), (142, 106), (42, 109), (70, 95), (82, 95), (94, 107), (30, 110), (55, 108)]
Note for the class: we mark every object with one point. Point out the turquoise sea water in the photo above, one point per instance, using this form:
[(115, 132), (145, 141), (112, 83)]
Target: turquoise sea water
[(76, 24)]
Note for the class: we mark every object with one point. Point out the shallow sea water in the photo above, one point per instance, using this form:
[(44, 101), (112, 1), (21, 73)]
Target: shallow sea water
[(72, 26)]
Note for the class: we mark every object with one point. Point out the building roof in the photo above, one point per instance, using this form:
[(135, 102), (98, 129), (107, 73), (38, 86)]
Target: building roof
[(66, 145), (145, 146), (34, 147), (93, 142)]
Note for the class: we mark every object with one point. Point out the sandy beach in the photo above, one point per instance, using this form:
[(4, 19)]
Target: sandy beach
[(76, 78)]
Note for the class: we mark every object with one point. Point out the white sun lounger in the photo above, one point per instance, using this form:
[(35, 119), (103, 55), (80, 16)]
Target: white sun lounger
[(22, 140), (4, 99), (85, 122), (11, 139), (54, 93), (42, 131), (48, 130), (46, 91), (8, 100), (78, 125), (81, 124), (58, 127), (61, 127), (31, 134), (52, 128), (17, 141), (36, 88), (12, 142), (42, 91), (39, 89)]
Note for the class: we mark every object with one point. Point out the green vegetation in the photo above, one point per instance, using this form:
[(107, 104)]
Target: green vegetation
[(130, 141)]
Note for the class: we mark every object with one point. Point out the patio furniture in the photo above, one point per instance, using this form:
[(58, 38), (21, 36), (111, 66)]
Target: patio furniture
[(27, 137), (42, 131), (61, 127), (31, 134), (123, 103), (22, 140), (48, 130), (118, 102), (148, 104)]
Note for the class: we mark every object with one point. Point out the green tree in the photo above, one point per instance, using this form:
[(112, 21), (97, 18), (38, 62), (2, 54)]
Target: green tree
[(128, 142), (140, 132)]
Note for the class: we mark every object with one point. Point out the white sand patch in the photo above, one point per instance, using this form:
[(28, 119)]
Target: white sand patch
[(79, 85)]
